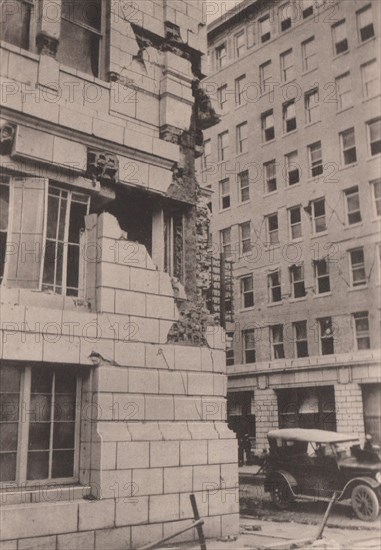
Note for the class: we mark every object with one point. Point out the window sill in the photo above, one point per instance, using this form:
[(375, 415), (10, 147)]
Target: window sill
[(367, 41), (353, 225), (241, 154), (273, 304), (374, 157), (298, 240), (246, 309), (340, 111), (221, 210), (286, 82), (290, 133), (294, 185), (366, 99), (309, 124), (295, 300), (305, 73), (346, 166), (25, 53), (340, 55), (44, 492), (357, 288), (322, 295), (270, 193), (268, 142), (243, 203), (321, 234), (85, 76)]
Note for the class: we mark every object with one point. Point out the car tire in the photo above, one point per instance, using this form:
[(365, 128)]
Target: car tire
[(365, 503), (280, 494)]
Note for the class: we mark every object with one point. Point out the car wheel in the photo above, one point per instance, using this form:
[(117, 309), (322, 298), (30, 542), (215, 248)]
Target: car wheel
[(365, 503), (280, 494)]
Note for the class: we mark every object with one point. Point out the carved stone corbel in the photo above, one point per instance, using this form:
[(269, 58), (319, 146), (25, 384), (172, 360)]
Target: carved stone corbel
[(102, 166), (7, 137), (46, 44)]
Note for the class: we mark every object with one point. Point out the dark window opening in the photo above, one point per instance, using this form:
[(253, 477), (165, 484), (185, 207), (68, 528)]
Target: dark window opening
[(15, 23), (310, 408)]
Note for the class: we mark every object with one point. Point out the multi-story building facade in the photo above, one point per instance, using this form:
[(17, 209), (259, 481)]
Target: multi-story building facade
[(112, 386), (295, 169)]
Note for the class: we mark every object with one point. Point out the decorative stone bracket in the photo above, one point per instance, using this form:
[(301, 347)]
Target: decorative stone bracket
[(206, 116), (102, 167), (46, 44)]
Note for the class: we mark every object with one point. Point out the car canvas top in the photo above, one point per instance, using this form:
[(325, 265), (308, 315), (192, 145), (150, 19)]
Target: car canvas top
[(316, 436)]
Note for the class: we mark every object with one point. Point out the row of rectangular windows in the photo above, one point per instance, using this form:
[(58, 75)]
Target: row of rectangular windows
[(340, 91), (260, 31), (314, 150), (316, 211), (298, 335), (322, 279)]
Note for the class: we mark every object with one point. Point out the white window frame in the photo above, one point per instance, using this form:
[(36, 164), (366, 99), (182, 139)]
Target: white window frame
[(5, 225), (277, 346), (243, 178), (359, 14), (285, 23), (286, 108), (345, 135), (350, 193), (361, 334), (326, 337), (272, 234), (316, 164), (244, 241), (239, 89), (273, 287), (222, 96), (338, 38), (242, 137), (239, 47), (221, 60), (30, 25), (374, 81), (309, 65), (223, 151), (369, 123), (292, 167), (321, 276), (226, 241), (247, 292), (376, 199), (294, 225), (264, 78), (315, 217), (284, 68), (224, 193), (270, 176), (307, 8), (312, 106), (344, 93), (24, 421), (207, 152), (357, 266), (299, 340), (264, 36), (264, 117), (297, 277), (247, 349)]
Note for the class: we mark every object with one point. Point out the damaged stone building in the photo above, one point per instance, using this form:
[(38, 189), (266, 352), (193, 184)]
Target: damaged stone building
[(113, 377)]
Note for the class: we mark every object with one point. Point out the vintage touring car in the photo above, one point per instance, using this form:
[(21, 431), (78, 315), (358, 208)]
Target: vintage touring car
[(314, 464)]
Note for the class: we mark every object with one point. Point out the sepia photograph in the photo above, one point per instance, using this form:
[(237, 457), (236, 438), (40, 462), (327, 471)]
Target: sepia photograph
[(190, 274)]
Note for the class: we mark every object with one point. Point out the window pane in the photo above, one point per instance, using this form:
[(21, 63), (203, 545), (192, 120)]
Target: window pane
[(41, 380), (63, 464), (63, 435), (14, 23), (79, 48), (39, 436), (38, 465), (40, 407), (8, 466), (8, 436), (10, 379)]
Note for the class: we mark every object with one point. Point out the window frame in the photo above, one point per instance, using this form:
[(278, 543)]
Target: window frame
[(223, 195), (321, 277), (306, 63), (242, 139), (263, 79), (272, 234), (274, 288), (377, 142), (264, 37), (284, 68), (222, 96), (343, 41), (226, 243), (271, 129), (244, 241), (366, 83), (222, 155), (221, 60), (376, 200), (359, 13), (318, 217), (312, 111), (28, 42), (294, 224), (348, 193), (207, 152), (348, 150), (289, 123), (5, 226), (65, 241), (290, 163), (229, 349), (317, 164), (341, 105), (329, 338), (101, 37), (361, 334), (300, 341), (24, 422), (277, 346), (357, 266), (243, 177), (285, 23), (298, 281), (237, 47), (239, 90), (270, 176), (247, 294), (247, 350)]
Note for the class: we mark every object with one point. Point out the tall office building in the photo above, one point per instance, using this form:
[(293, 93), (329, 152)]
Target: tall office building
[(294, 166)]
